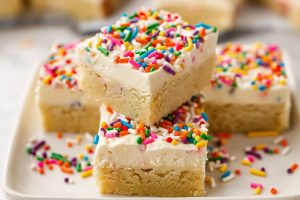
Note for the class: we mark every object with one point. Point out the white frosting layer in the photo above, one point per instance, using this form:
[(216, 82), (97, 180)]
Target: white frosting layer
[(125, 152), (145, 82), (48, 95)]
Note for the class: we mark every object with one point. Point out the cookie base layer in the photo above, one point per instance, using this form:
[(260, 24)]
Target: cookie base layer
[(70, 119), (151, 182), (247, 117), (148, 108)]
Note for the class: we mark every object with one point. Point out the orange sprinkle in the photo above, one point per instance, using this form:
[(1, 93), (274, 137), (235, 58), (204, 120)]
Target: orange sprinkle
[(117, 125), (142, 133), (70, 144), (50, 167), (60, 162), (123, 60), (116, 60), (67, 164), (109, 109), (274, 191), (66, 170), (59, 135), (123, 133), (41, 171)]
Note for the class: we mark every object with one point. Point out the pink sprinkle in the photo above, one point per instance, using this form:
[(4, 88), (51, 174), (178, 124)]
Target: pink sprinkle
[(148, 141), (152, 54), (115, 41), (52, 161), (134, 64), (41, 164), (71, 45), (127, 53), (87, 168), (255, 185), (251, 158), (153, 135), (109, 135)]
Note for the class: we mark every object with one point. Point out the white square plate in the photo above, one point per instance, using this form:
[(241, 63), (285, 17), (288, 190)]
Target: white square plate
[(22, 183)]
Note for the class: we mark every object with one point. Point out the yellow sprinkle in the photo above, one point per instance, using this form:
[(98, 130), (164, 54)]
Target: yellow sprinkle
[(87, 147), (246, 162), (257, 190), (80, 156), (86, 173), (78, 138), (201, 143), (197, 138), (161, 48), (189, 124), (99, 42), (155, 14), (47, 80), (262, 133), (190, 45), (257, 172), (282, 82), (174, 142), (161, 33), (223, 168), (89, 43), (260, 147)]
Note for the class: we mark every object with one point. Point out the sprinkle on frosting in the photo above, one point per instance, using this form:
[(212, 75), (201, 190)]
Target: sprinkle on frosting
[(185, 125), (60, 69), (149, 40), (258, 66)]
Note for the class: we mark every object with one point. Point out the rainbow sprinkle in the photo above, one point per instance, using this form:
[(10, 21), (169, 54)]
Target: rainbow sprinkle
[(60, 69), (258, 66), (185, 125), (149, 40)]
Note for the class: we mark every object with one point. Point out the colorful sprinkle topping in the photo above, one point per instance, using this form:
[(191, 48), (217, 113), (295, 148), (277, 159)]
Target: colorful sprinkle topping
[(258, 66), (149, 40), (185, 125), (60, 69)]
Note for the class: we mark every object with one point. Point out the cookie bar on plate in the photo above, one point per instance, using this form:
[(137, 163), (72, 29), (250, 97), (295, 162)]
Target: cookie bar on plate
[(148, 63), (249, 90), (166, 159), (220, 13), (63, 106)]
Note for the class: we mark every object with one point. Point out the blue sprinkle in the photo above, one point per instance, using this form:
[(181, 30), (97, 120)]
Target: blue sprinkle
[(85, 158), (134, 34), (204, 115), (262, 88), (177, 128), (171, 50), (147, 53), (122, 35), (253, 82), (206, 26), (227, 173), (144, 65), (109, 29), (126, 124), (96, 139), (185, 127)]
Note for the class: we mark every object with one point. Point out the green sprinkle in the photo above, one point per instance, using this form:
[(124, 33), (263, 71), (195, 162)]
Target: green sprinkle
[(190, 134), (152, 69), (139, 140), (110, 128), (152, 26), (29, 150), (89, 164), (215, 29), (78, 167), (103, 50), (178, 53), (147, 46), (118, 129), (40, 158), (147, 133), (122, 28), (132, 16), (139, 52), (87, 49), (128, 36)]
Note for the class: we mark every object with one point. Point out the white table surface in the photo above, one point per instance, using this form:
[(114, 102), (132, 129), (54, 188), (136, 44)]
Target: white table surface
[(21, 50)]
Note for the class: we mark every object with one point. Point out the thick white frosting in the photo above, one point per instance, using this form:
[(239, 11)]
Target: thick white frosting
[(58, 79), (92, 59), (124, 152), (245, 93), (145, 82)]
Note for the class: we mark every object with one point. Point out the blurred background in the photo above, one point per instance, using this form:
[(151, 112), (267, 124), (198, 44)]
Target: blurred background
[(28, 28)]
